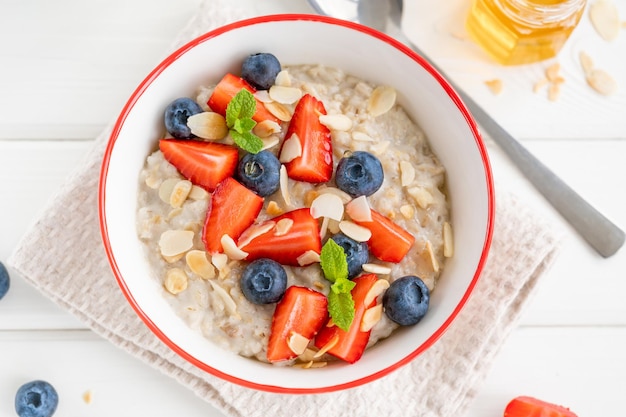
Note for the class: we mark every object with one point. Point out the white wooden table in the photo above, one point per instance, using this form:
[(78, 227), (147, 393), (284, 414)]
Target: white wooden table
[(66, 68)]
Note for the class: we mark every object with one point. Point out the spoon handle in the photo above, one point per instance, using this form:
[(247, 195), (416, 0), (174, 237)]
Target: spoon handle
[(604, 236)]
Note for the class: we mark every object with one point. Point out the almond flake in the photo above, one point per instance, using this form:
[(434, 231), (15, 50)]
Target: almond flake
[(336, 122), (229, 303), (273, 209), (494, 85), (270, 142), (172, 259), (327, 205), (263, 96), (175, 242), (431, 256), (377, 289), (324, 227), (355, 231), (359, 209), (279, 110), (407, 173), (328, 346), (345, 197), (602, 82), (284, 185), (283, 79), (307, 258), (586, 62), (266, 128), (362, 137), (307, 356), (319, 285), (376, 269), (407, 211), (422, 197), (604, 17), (88, 397), (255, 231), (153, 181), (448, 240), (315, 365), (175, 281), (552, 72), (292, 149), (540, 84), (199, 264), (554, 91), (208, 125), (166, 187), (231, 250), (282, 227), (198, 193), (380, 148), (371, 316), (220, 262), (381, 101), (297, 343), (285, 95), (180, 192)]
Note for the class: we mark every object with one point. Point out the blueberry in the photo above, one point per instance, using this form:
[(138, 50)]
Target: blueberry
[(36, 399), (357, 253), (260, 172), (406, 300), (176, 115), (5, 281), (260, 70), (263, 281), (360, 173)]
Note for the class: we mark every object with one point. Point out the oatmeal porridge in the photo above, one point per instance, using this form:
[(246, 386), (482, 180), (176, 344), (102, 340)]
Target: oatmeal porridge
[(200, 268)]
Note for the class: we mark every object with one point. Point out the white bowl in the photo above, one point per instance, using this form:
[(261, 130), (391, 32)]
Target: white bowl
[(300, 39)]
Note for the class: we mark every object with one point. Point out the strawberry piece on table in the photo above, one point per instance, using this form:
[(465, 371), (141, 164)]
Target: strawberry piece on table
[(301, 310), (315, 165), (389, 241), (351, 343), (227, 88), (524, 406), (302, 236), (233, 208), (205, 164)]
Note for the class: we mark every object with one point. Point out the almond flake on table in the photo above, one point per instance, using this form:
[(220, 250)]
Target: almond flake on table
[(495, 85), (604, 18)]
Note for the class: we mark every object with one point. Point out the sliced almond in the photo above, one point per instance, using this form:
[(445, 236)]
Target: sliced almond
[(407, 211), (283, 79), (383, 98), (292, 149), (180, 192), (166, 187), (604, 17), (174, 212), (448, 240), (495, 85), (208, 125), (220, 261), (324, 227), (345, 197), (380, 148), (278, 110), (198, 193), (585, 62), (538, 86), (175, 242), (307, 356), (602, 82), (285, 95), (376, 269), (229, 303), (362, 137), (339, 122), (284, 186), (371, 316), (554, 91), (307, 258), (552, 72), (315, 365), (377, 289), (327, 205), (297, 343), (153, 181), (231, 250), (355, 231), (359, 209), (282, 227), (175, 281), (255, 231), (172, 259), (199, 264), (328, 346), (263, 96), (266, 128), (273, 209), (407, 173), (270, 142), (422, 196), (431, 256)]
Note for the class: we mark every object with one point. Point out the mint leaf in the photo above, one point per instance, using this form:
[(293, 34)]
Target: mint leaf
[(242, 106), (333, 261), (247, 141), (342, 286), (341, 309), (244, 125)]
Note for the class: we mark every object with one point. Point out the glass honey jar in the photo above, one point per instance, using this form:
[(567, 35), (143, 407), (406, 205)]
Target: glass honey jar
[(523, 31)]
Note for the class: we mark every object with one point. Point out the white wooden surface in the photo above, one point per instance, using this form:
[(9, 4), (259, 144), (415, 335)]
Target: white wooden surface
[(66, 68)]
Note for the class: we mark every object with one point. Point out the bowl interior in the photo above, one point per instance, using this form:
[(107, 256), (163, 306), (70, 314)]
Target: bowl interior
[(298, 40)]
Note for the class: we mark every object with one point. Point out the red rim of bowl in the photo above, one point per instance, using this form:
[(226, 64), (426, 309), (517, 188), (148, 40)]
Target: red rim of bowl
[(266, 19)]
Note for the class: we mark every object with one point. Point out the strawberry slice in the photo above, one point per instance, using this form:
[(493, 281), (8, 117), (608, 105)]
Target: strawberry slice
[(227, 88), (524, 406), (302, 236), (232, 210), (301, 310), (389, 241), (205, 164), (316, 162), (351, 344)]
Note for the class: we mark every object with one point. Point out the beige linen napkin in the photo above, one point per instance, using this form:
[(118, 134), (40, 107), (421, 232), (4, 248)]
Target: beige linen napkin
[(62, 255)]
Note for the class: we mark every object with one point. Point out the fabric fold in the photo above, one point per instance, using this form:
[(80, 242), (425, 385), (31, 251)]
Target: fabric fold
[(63, 257)]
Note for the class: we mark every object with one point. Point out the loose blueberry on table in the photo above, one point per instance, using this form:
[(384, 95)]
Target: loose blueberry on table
[(5, 281), (36, 399)]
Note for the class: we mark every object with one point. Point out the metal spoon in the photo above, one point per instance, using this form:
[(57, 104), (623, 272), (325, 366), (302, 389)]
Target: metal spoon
[(385, 15)]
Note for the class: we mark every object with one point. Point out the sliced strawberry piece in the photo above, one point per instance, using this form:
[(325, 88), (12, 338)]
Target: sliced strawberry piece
[(301, 310), (389, 241), (316, 162), (302, 236), (232, 210), (351, 344), (531, 407), (227, 88), (205, 164)]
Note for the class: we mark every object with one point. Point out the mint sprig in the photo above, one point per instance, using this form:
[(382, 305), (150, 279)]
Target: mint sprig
[(335, 267), (239, 114)]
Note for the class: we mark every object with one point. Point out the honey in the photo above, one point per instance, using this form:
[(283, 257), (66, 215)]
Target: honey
[(517, 32)]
